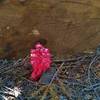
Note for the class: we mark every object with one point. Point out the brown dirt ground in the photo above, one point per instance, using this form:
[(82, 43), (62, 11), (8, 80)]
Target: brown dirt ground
[(70, 26)]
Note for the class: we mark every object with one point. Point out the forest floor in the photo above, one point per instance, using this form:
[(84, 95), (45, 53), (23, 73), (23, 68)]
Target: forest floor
[(74, 78), (69, 26)]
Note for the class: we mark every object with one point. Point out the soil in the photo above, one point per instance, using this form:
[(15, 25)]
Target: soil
[(69, 26)]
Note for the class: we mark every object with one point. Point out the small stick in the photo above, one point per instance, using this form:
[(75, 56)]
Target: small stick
[(56, 73)]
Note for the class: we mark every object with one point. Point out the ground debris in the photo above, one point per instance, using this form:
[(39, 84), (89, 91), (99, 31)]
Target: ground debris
[(75, 78)]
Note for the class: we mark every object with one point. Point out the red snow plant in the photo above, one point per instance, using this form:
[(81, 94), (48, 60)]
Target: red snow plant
[(40, 59)]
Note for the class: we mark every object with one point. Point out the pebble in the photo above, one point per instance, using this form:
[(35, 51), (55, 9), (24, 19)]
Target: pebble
[(35, 32), (98, 50), (8, 27)]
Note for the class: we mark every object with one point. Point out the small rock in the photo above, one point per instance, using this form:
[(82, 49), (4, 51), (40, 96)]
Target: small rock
[(35, 32), (47, 77), (8, 27), (98, 50)]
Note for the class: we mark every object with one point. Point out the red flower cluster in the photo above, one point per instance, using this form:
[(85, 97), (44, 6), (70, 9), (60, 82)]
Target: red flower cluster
[(40, 59)]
